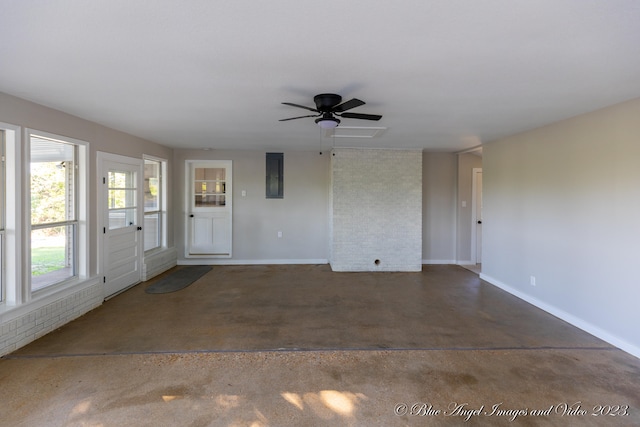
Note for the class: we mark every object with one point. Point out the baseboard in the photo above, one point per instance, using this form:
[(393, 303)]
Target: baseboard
[(567, 317), (208, 261), (438, 261)]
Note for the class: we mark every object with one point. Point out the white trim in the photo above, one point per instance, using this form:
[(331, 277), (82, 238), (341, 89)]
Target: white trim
[(474, 214), (438, 261), (163, 202), (14, 205), (83, 245), (251, 261), (567, 317)]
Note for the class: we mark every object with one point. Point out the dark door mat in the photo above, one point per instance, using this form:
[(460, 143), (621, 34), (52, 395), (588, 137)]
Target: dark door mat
[(178, 280)]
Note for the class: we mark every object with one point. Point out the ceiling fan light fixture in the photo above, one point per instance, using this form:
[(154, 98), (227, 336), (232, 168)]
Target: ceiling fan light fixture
[(327, 122)]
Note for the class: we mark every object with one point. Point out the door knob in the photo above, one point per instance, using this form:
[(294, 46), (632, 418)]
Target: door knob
[(139, 228), (191, 216), (479, 222)]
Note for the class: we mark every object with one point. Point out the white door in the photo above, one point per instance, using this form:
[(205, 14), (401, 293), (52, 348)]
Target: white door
[(477, 181), (209, 209), (121, 221)]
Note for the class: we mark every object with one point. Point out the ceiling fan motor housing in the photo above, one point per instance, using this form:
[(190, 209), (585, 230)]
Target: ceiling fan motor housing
[(326, 101)]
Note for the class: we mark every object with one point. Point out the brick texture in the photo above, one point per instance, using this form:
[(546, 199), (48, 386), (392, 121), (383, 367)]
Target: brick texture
[(30, 326), (376, 210)]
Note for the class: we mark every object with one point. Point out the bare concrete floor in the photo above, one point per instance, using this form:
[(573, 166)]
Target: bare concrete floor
[(304, 346)]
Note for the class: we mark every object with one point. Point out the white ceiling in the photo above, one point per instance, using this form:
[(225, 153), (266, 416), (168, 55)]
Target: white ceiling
[(446, 75)]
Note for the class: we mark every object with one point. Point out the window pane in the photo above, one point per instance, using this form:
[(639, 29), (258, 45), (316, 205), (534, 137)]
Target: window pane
[(119, 199), (1, 266), (210, 174), (52, 181), (120, 179), (119, 218), (52, 255), (151, 231), (151, 185)]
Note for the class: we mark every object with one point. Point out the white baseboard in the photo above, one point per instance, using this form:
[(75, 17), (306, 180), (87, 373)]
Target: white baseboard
[(567, 317), (438, 261), (209, 261)]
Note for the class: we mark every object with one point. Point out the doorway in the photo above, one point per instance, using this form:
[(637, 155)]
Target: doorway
[(121, 218), (209, 209)]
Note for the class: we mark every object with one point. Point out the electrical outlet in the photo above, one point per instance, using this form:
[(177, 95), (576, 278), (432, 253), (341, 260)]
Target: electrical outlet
[(532, 280), (279, 234)]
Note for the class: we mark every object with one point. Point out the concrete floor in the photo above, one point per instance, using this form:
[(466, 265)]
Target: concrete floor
[(304, 346)]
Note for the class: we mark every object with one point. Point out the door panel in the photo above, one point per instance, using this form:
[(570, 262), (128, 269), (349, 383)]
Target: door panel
[(209, 209), (121, 213)]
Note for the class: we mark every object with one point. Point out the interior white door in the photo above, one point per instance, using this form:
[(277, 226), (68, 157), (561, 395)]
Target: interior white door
[(121, 219), (478, 217), (209, 208)]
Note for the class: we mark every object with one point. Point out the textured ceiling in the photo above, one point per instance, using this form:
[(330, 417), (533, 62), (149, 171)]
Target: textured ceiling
[(446, 75)]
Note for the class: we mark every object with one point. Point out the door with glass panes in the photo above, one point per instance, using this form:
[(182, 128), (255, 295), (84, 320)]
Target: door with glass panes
[(209, 209), (121, 219)]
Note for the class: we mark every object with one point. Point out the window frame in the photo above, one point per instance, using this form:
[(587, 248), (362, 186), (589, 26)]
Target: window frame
[(162, 204), (3, 192), (12, 256), (81, 209)]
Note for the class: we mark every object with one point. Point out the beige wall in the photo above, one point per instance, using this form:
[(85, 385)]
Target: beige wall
[(562, 203), (439, 207), (302, 215)]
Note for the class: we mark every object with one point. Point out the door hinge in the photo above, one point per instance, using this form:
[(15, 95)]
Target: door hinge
[(104, 230), (104, 279), (104, 180)]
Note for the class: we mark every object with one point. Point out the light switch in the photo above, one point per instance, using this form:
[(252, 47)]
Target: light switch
[(244, 193)]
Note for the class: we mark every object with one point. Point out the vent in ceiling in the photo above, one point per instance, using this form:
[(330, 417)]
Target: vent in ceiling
[(354, 132)]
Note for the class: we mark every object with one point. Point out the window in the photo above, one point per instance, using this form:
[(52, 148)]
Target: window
[(2, 212), (56, 205), (154, 203)]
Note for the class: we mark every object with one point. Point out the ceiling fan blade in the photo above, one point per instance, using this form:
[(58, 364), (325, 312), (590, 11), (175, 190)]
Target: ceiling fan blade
[(300, 106), (361, 116), (352, 103), (299, 117)]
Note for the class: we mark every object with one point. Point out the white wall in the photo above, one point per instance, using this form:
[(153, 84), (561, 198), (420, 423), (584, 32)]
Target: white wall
[(562, 203), (301, 216), (376, 210)]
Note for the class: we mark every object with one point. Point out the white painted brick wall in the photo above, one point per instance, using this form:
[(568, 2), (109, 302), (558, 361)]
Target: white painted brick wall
[(22, 330), (376, 210), (158, 262)]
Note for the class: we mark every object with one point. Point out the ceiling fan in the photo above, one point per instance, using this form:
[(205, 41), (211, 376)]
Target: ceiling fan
[(328, 106)]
